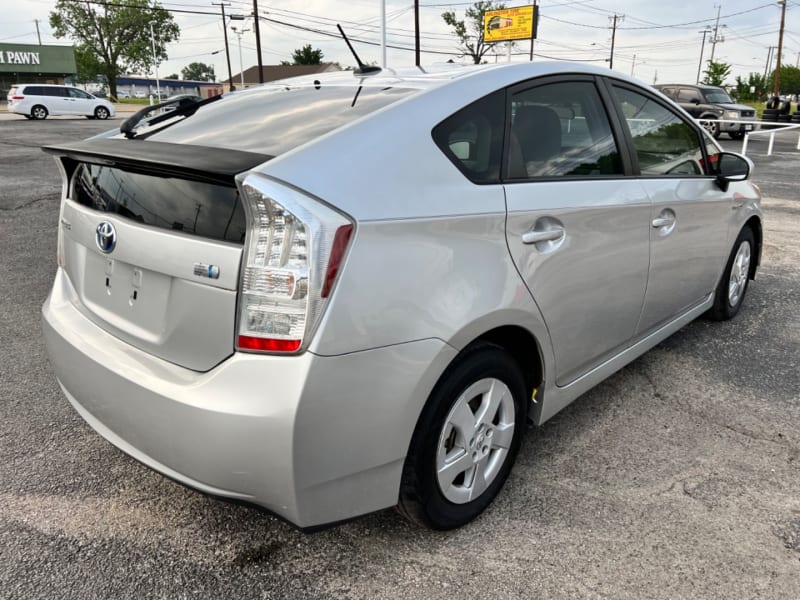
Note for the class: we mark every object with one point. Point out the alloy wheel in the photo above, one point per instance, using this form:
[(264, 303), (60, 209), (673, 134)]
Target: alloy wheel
[(475, 440), (740, 270)]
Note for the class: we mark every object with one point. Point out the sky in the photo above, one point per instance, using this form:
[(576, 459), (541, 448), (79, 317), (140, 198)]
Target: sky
[(655, 41)]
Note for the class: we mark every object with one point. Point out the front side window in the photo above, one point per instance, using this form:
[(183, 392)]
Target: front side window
[(561, 130), (717, 96), (75, 93), (665, 144)]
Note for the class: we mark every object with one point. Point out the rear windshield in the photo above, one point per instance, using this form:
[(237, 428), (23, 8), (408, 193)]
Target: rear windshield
[(274, 119), (208, 210)]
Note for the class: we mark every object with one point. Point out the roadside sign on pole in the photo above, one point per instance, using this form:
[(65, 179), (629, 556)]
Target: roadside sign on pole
[(509, 24)]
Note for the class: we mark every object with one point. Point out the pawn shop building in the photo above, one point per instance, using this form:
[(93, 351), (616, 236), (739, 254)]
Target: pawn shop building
[(29, 63)]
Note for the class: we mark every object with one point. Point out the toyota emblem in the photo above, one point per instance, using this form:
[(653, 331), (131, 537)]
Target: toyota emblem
[(105, 237)]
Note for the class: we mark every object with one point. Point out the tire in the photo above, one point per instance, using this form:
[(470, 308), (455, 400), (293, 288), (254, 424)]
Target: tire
[(711, 127), (455, 428), (736, 135), (101, 112), (39, 112), (770, 111), (730, 292)]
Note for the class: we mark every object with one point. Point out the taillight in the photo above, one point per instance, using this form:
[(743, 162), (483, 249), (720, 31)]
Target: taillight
[(18, 97), (293, 249)]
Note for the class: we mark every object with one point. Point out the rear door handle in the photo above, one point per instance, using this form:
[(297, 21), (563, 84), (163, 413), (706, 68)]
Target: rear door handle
[(663, 222), (549, 235)]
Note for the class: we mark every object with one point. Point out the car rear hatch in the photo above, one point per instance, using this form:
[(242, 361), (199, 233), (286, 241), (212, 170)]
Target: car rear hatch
[(151, 239)]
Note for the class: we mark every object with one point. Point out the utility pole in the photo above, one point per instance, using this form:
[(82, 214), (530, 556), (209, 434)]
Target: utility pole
[(258, 42), (534, 28), (39, 35), (705, 31), (777, 89), (416, 31), (222, 6), (616, 18), (717, 38), (383, 33), (633, 64)]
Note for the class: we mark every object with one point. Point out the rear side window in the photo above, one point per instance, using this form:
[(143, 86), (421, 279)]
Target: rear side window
[(33, 90), (203, 209), (687, 95), (561, 130), (472, 138), (56, 92), (665, 144)]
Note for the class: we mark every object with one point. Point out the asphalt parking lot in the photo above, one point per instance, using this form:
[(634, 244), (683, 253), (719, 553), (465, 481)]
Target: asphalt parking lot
[(679, 477)]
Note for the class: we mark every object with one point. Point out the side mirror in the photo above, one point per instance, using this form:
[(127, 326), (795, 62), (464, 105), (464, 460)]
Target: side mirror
[(732, 167), (695, 101)]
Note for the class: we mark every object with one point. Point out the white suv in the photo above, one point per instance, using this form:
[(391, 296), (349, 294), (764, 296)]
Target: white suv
[(37, 101)]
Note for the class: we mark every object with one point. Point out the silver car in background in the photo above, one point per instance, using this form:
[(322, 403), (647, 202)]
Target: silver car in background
[(337, 294)]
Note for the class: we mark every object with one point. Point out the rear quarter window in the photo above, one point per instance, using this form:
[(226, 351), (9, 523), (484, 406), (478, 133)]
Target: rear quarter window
[(472, 138)]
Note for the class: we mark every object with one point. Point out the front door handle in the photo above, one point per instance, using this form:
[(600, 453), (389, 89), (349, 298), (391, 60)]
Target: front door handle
[(549, 235)]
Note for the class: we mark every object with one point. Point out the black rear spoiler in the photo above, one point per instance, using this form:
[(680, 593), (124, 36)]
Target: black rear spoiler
[(200, 163)]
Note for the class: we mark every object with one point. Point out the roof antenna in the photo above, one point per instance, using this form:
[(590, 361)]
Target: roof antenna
[(362, 68)]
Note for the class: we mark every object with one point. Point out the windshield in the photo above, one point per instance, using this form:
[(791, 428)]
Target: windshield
[(717, 96), (274, 119)]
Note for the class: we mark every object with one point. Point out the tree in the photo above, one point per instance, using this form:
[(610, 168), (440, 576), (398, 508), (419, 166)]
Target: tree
[(716, 72), (117, 35), (198, 71), (88, 67), (173, 76), (754, 81), (469, 31), (305, 56), (790, 80)]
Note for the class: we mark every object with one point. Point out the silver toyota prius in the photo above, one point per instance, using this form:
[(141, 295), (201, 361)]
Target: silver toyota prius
[(336, 294)]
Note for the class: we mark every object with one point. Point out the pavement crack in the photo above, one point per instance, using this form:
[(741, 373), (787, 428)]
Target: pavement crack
[(31, 202)]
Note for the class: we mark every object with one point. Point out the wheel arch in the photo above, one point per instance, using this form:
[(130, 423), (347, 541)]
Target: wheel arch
[(523, 346), (754, 223)]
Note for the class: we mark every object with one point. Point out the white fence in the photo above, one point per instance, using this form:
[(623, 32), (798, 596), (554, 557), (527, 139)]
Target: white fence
[(773, 128)]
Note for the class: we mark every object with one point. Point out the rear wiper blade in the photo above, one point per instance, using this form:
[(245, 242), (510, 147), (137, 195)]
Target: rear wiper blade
[(183, 109)]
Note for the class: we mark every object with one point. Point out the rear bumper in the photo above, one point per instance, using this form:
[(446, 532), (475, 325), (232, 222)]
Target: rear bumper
[(312, 439)]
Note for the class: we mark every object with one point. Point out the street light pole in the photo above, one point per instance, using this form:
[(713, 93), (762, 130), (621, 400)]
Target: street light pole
[(155, 62), (705, 31), (239, 33)]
